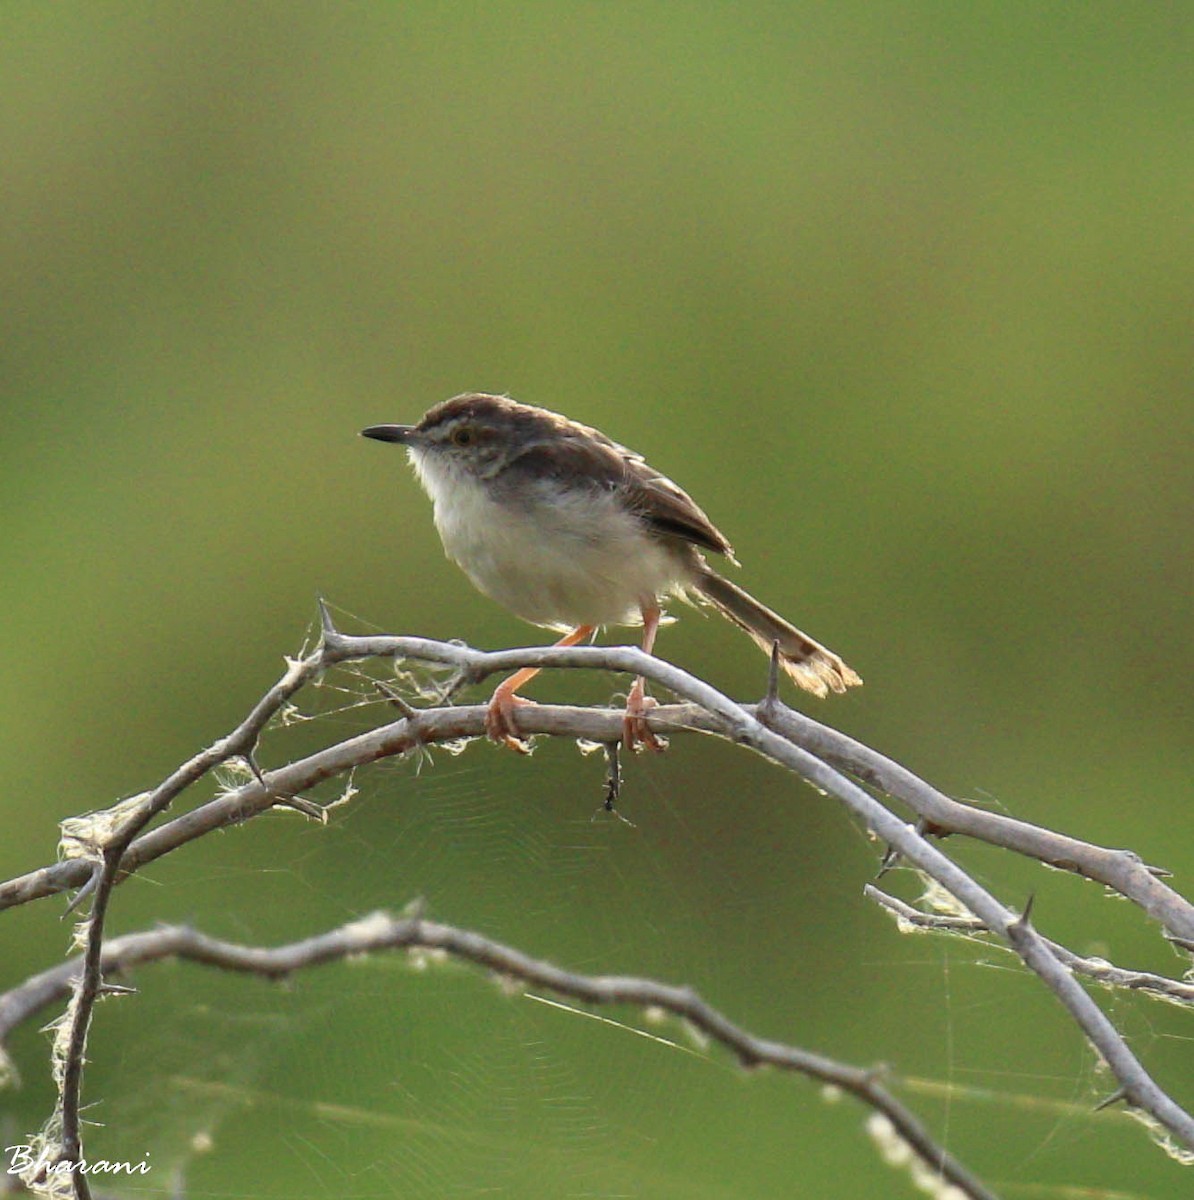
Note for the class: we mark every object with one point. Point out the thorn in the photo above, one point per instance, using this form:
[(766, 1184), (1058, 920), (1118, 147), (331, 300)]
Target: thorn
[(325, 619), (416, 910), (1115, 1097), (887, 862), (923, 829), (84, 891), (115, 989), (251, 762), (307, 807), (1024, 920), (772, 696), (407, 710), (1158, 872), (1180, 942)]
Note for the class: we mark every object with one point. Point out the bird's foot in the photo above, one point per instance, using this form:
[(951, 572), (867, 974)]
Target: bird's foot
[(499, 720), (636, 732)]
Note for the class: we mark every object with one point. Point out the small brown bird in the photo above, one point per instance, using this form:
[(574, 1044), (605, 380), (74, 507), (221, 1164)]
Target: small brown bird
[(571, 531)]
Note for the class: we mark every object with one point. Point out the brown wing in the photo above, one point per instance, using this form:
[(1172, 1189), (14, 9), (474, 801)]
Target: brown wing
[(668, 509), (663, 506)]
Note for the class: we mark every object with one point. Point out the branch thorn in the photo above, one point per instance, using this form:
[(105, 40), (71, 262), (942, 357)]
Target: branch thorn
[(1115, 1097), (307, 807), (891, 856), (325, 619), (407, 710), (251, 763), (96, 872), (923, 828), (772, 696), (115, 989)]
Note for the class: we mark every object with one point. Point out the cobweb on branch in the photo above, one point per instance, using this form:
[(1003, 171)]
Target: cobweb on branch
[(412, 1077)]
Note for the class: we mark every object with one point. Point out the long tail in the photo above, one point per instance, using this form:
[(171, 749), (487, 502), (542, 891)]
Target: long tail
[(808, 663)]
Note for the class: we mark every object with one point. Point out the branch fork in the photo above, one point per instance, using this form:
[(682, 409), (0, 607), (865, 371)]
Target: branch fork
[(830, 761)]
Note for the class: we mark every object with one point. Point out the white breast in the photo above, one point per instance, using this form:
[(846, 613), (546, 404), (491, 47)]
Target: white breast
[(555, 559)]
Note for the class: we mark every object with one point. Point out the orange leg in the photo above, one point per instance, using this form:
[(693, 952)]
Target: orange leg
[(499, 720), (635, 730)]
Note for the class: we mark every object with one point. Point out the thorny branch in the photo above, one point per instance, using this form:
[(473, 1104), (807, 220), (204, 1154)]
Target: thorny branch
[(1097, 969), (822, 756), (379, 931), (1121, 870)]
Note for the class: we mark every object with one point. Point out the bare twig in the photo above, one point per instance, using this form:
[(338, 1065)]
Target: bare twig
[(807, 748), (432, 725), (1121, 870), (1097, 969), (379, 931), (108, 852)]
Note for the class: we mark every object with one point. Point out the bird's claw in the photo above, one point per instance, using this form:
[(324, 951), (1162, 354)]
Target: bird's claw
[(499, 721), (636, 733)]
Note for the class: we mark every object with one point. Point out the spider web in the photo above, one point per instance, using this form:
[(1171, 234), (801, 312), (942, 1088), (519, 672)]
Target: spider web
[(401, 1075)]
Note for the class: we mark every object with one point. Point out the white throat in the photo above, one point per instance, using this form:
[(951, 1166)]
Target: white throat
[(556, 557)]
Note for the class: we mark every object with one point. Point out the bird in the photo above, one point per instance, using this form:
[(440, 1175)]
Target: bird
[(571, 532)]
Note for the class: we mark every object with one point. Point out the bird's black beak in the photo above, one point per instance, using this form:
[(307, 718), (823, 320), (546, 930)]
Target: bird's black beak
[(390, 433)]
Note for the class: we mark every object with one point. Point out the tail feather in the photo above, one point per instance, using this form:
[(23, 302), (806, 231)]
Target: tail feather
[(809, 664)]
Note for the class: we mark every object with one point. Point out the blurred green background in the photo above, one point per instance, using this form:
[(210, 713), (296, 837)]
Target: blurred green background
[(901, 292)]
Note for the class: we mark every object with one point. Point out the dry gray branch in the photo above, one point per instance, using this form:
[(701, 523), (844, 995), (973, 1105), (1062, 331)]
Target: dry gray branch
[(380, 931), (1097, 969), (1121, 870), (112, 849)]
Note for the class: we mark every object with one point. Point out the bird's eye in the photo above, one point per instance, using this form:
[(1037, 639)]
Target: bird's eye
[(462, 437)]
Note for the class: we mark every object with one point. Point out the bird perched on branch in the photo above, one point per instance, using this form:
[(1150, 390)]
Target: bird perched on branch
[(571, 531)]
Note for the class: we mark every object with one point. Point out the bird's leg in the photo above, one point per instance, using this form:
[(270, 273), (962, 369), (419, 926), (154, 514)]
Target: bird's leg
[(499, 720), (635, 730)]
